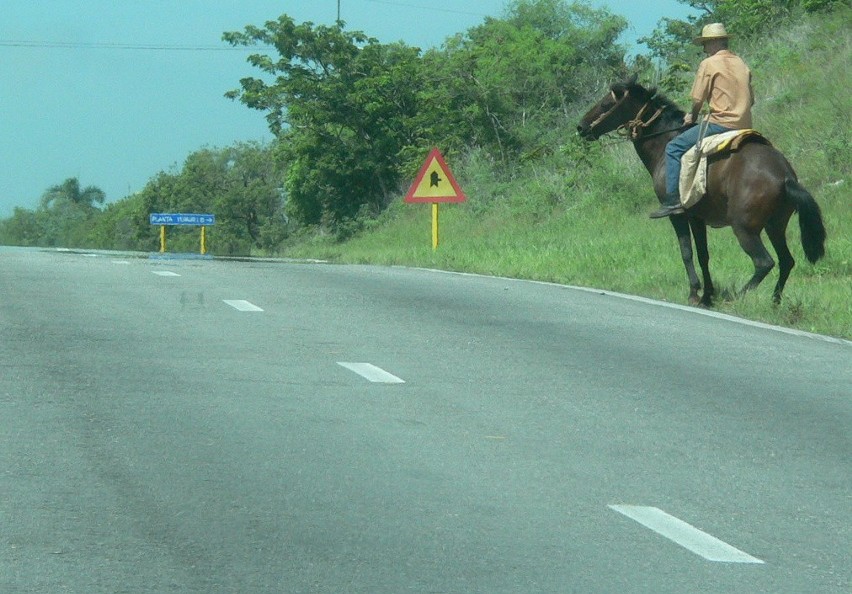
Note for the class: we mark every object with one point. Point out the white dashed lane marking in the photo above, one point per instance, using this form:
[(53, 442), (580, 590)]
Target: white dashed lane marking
[(242, 305), (372, 373), (165, 273), (686, 535)]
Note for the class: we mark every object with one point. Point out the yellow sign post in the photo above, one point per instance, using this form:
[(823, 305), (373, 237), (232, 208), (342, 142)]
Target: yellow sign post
[(197, 220), (434, 225), (435, 184)]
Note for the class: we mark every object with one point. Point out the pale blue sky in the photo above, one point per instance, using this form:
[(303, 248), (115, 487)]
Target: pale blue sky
[(80, 98)]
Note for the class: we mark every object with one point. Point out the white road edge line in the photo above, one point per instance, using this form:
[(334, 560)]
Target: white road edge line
[(241, 305), (686, 535), (372, 373), (687, 308), (165, 273)]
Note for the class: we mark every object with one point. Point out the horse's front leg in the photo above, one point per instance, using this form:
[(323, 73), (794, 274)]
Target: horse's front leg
[(699, 234), (684, 239)]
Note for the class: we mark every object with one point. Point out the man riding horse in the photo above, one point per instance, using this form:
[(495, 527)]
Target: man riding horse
[(723, 81), (751, 188)]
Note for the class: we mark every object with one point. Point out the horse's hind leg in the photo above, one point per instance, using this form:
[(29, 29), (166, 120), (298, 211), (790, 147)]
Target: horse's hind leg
[(777, 236), (753, 246)]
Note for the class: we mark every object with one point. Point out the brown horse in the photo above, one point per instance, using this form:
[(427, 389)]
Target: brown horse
[(750, 190)]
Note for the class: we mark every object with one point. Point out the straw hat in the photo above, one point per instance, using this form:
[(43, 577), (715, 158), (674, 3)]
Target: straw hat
[(711, 32)]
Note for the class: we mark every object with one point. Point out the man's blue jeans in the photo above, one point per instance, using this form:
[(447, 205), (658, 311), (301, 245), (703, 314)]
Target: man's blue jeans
[(677, 148)]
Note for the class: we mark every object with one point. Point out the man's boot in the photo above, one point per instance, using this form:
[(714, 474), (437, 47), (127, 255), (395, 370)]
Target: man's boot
[(671, 206)]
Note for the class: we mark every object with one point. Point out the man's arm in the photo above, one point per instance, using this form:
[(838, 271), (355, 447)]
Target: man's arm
[(700, 93), (692, 116), (750, 89)]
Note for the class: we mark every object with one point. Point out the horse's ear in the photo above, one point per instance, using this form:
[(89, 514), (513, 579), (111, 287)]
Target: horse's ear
[(638, 90), (620, 90)]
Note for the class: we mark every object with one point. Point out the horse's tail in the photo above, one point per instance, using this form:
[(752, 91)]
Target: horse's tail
[(810, 219)]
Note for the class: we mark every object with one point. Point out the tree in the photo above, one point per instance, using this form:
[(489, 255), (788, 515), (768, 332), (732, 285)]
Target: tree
[(508, 82), (250, 202), (354, 116), (747, 18), (24, 228), (67, 211), (240, 184), (70, 192), (671, 41), (342, 105)]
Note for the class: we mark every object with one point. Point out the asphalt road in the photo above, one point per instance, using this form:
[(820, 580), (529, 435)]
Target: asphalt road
[(220, 426)]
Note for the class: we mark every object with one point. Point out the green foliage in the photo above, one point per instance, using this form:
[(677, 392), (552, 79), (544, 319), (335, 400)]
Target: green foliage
[(672, 45), (344, 107), (65, 213), (241, 185), (749, 18), (507, 82), (354, 116), (69, 192), (23, 228)]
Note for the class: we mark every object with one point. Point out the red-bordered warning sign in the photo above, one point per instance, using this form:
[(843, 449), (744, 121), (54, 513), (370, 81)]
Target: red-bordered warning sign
[(435, 182)]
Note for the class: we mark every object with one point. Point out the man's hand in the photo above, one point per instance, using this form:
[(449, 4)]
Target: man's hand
[(688, 119)]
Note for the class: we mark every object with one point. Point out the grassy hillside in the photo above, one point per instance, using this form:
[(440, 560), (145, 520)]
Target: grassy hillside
[(578, 215)]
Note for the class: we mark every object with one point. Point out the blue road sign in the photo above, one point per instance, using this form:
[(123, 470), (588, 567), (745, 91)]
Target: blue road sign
[(159, 218)]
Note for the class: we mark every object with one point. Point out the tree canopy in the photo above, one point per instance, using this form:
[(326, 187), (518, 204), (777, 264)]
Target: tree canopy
[(671, 42), (69, 192), (354, 115)]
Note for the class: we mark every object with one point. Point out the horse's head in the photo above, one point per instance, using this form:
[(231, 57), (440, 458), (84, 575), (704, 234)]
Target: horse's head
[(621, 104)]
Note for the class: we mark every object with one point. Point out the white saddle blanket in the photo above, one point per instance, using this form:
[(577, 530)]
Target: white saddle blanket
[(693, 171)]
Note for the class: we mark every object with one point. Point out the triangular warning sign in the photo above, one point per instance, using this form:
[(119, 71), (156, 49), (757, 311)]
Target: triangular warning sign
[(435, 182)]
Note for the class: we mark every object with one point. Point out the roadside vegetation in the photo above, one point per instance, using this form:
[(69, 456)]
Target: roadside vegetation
[(355, 118)]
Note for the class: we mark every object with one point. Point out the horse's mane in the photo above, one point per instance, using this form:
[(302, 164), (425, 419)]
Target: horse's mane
[(672, 115)]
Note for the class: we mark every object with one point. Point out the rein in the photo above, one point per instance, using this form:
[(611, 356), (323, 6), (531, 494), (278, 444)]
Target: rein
[(678, 130), (635, 128)]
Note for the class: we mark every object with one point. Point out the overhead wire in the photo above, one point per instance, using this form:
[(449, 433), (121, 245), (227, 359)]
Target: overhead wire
[(121, 46), (189, 48), (429, 8)]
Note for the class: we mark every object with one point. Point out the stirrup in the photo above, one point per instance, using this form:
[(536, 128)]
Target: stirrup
[(667, 210), (671, 206)]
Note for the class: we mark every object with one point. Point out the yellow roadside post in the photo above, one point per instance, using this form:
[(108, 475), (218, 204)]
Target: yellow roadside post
[(434, 225), (197, 220)]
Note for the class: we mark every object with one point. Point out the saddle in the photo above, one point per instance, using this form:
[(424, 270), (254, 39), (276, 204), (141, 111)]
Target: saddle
[(693, 172)]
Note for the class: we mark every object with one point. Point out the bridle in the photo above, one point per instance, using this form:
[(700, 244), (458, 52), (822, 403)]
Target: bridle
[(635, 127), (600, 119)]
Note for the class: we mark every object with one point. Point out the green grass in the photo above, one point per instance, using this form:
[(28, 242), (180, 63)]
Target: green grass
[(579, 215)]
